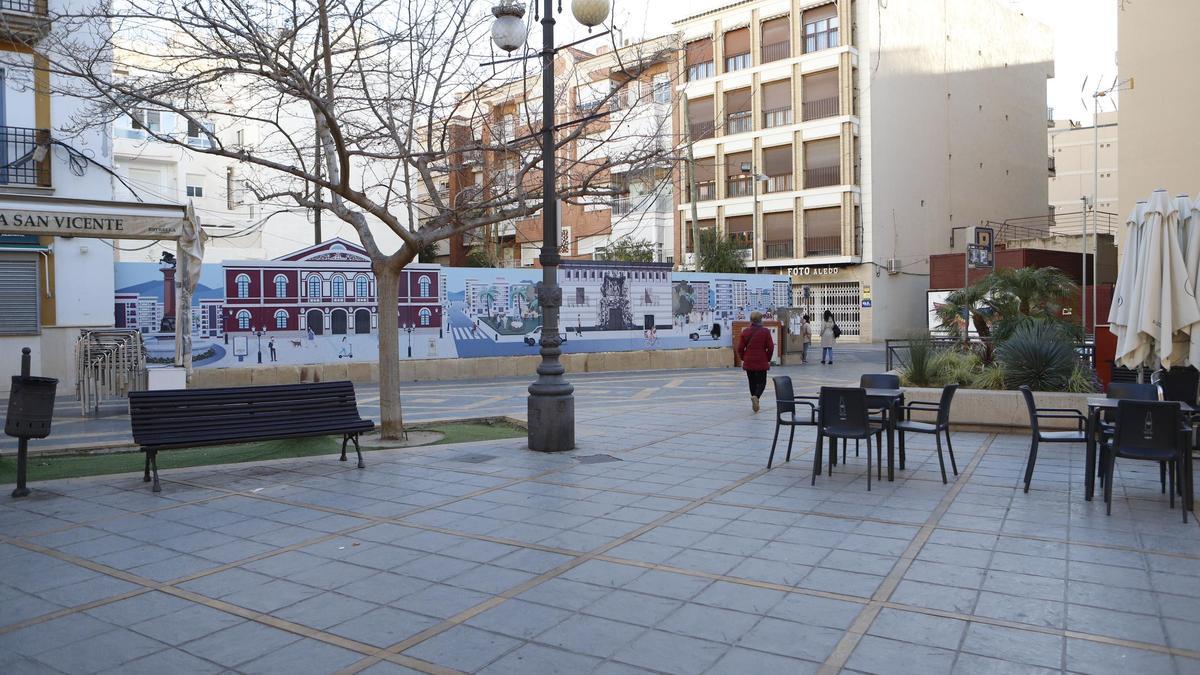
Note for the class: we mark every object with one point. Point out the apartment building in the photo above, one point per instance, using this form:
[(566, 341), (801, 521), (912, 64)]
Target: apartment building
[(50, 286), (844, 141), (1073, 148), (622, 131)]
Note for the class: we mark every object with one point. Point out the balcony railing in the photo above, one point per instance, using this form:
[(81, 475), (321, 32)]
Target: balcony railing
[(779, 248), (585, 107), (738, 186), (780, 183), (24, 156), (739, 122), (777, 117), (737, 62), (822, 107), (705, 191), (655, 203), (826, 245), (776, 51), (822, 176), (702, 130), (700, 71)]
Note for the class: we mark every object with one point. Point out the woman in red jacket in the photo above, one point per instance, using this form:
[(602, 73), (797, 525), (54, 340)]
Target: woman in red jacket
[(755, 348)]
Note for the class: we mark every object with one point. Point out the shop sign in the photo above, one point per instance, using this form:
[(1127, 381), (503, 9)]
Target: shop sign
[(826, 271), (89, 225)]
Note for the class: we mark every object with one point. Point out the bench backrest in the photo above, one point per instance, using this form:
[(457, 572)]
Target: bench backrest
[(214, 413)]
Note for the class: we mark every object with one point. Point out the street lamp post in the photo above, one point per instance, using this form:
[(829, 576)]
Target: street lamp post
[(258, 334), (551, 403), (755, 178), (408, 328)]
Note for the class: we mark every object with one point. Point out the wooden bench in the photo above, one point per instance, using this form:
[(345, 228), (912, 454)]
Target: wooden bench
[(188, 418)]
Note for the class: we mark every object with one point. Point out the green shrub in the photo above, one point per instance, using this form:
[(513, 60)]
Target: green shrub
[(920, 353), (990, 377), (1082, 381), (1038, 354)]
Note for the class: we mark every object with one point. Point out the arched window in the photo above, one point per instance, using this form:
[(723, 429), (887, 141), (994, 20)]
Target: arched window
[(423, 282), (243, 285), (243, 318), (362, 287), (339, 287), (280, 286), (425, 315), (314, 287), (281, 317)]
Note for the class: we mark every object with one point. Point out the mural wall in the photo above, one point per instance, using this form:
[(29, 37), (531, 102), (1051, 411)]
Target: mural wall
[(319, 305)]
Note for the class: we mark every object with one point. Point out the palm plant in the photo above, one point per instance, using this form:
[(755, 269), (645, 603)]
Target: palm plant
[(1036, 291), (972, 300)]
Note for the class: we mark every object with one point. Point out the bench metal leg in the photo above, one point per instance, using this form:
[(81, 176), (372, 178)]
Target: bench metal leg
[(359, 451), (345, 439), (146, 475), (154, 467)]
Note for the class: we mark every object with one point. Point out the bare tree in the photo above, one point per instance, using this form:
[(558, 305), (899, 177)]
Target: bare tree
[(353, 104)]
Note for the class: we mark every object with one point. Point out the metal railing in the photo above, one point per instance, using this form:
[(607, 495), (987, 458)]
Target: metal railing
[(822, 176), (705, 191), (777, 117), (1070, 222), (650, 202), (24, 156), (738, 186), (700, 71), (702, 130), (826, 245), (780, 183), (776, 51), (737, 62), (779, 248), (821, 107), (109, 363), (896, 351), (739, 122)]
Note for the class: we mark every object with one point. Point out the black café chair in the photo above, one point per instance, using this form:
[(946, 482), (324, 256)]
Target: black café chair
[(843, 414), (940, 425), (1131, 391), (1183, 385), (1153, 431), (877, 381), (785, 413), (1039, 436)]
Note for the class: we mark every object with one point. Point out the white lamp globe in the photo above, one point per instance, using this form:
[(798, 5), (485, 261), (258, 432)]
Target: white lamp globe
[(508, 30), (590, 12)]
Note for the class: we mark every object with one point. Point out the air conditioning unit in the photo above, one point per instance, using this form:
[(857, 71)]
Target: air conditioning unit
[(893, 266)]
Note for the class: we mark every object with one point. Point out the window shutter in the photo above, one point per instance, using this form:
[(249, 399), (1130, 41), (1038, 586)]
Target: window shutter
[(822, 12), (737, 42), (737, 100), (776, 31), (777, 160), (18, 296), (699, 51), (733, 163), (777, 95)]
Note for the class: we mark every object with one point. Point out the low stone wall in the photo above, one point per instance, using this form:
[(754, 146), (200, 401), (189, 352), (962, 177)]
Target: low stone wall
[(1000, 409), (482, 368)]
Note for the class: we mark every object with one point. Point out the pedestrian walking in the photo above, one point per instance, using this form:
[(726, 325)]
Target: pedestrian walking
[(829, 333), (271, 346), (755, 348), (805, 337)]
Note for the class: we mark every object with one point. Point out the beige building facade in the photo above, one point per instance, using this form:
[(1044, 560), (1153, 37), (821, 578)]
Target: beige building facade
[(1073, 148), (874, 135), (1157, 59)]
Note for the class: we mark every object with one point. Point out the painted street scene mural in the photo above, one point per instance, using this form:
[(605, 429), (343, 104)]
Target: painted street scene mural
[(318, 305)]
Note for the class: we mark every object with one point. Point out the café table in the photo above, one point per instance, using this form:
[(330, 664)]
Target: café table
[(1096, 405)]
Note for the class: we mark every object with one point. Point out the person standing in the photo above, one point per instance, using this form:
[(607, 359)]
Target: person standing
[(805, 337), (271, 346), (755, 348), (828, 336)]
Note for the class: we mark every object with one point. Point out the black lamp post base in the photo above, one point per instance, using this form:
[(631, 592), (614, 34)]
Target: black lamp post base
[(21, 492), (551, 423)]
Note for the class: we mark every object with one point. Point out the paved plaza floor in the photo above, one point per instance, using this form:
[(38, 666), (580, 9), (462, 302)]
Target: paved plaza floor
[(662, 544)]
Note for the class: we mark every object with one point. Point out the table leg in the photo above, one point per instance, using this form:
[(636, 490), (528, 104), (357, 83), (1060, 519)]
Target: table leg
[(1089, 480), (891, 436), (899, 406)]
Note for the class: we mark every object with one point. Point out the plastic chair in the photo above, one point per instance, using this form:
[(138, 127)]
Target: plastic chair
[(939, 426), (843, 414), (1132, 391), (785, 413), (1039, 436), (1148, 430)]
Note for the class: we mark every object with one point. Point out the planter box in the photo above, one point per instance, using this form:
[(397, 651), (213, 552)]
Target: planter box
[(1000, 409)]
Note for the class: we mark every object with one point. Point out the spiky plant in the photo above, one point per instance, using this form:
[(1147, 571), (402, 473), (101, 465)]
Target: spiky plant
[(1039, 354)]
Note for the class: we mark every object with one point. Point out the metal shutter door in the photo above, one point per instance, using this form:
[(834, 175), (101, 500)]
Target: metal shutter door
[(18, 296)]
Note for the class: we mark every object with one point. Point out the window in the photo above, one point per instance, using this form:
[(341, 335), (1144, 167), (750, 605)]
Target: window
[(240, 137), (820, 28), (580, 297), (243, 319), (243, 285), (699, 59), (662, 88), (19, 296), (314, 287), (147, 120), (281, 317), (361, 287), (423, 283), (194, 190), (197, 134), (339, 287), (737, 50), (280, 286), (425, 316)]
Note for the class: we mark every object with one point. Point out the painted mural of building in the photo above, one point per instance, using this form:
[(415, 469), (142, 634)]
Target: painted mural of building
[(731, 297), (781, 294), (702, 291), (211, 324), (600, 295), (327, 289)]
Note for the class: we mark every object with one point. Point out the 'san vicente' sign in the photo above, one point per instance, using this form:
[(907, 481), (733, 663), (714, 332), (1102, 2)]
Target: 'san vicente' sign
[(89, 225)]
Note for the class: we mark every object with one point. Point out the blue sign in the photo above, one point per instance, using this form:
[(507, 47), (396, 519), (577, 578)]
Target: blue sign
[(866, 303)]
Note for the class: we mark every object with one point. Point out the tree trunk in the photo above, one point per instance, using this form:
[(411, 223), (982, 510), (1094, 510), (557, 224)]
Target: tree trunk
[(391, 415), (692, 188)]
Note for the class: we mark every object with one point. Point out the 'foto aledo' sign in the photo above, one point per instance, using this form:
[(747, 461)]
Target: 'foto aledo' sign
[(813, 271), (89, 225)]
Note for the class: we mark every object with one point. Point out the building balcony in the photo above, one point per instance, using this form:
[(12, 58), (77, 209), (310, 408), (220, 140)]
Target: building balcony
[(815, 246), (779, 249), (738, 62), (702, 130), (777, 117), (654, 203), (705, 191), (738, 186), (819, 108), (780, 183), (24, 157), (739, 122), (776, 51), (700, 71), (822, 176), (23, 21)]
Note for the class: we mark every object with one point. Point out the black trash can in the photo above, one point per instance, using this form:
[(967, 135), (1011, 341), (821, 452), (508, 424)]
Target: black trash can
[(30, 406)]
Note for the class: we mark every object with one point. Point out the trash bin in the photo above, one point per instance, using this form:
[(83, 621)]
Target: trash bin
[(30, 406)]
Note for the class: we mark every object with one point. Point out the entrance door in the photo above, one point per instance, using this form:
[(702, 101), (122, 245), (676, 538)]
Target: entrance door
[(337, 322), (648, 322), (316, 321), (362, 321), (616, 321)]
